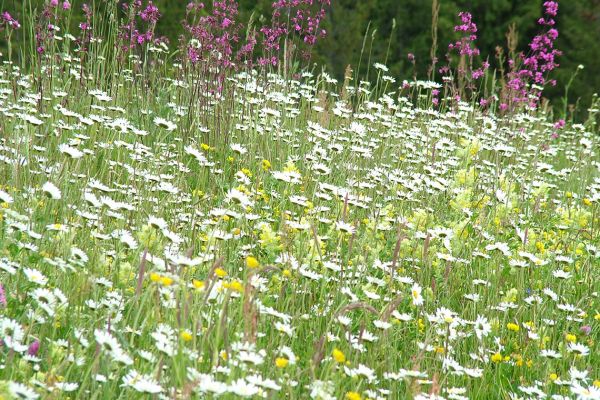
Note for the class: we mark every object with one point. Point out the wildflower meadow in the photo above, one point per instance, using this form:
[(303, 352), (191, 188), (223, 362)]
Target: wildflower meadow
[(219, 218)]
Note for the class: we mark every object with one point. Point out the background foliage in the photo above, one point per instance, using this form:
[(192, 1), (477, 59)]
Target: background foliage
[(578, 23)]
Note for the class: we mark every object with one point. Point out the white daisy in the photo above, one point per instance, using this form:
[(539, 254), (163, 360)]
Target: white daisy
[(238, 148), (35, 276), (345, 227), (164, 123), (415, 293), (5, 197), (141, 383), (70, 151), (51, 191), (20, 391)]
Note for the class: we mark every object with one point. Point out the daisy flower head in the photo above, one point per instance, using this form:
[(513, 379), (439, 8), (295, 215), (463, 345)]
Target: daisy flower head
[(415, 294), (51, 191), (165, 123)]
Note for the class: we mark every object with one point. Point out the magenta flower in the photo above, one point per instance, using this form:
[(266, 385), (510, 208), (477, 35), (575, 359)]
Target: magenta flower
[(150, 13), (536, 65), (293, 17), (551, 8), (462, 59), (7, 19), (586, 330), (2, 296), (226, 22), (34, 347)]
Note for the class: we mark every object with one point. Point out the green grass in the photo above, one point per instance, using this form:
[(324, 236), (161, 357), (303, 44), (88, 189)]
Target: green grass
[(387, 201)]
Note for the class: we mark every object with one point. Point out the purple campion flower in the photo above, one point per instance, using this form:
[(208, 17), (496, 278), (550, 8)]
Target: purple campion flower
[(193, 54), (215, 34), (85, 26), (536, 65), (478, 73), (7, 19), (2, 296), (586, 330), (130, 35), (66, 5), (150, 13), (460, 71), (551, 8), (34, 347), (53, 3), (226, 22), (293, 17), (469, 28)]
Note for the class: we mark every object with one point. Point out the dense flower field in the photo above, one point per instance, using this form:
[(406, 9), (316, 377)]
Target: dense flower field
[(381, 253), (164, 235)]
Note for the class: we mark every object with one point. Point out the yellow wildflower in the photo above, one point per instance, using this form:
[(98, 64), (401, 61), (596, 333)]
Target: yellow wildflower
[(353, 396), (252, 262), (166, 281), (247, 172), (220, 272), (569, 337), (234, 285), (281, 362), (512, 327), (198, 284), (338, 356)]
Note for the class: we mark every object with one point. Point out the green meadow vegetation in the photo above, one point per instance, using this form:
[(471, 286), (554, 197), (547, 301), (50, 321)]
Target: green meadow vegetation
[(176, 222)]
